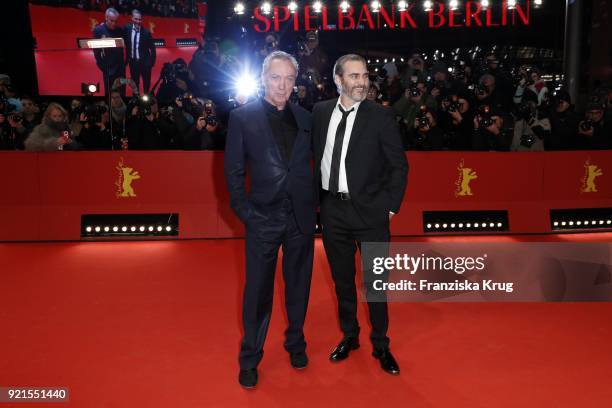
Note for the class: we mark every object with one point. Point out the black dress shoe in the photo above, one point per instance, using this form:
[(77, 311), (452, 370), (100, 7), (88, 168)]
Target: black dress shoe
[(387, 362), (248, 378), (298, 360), (343, 349)]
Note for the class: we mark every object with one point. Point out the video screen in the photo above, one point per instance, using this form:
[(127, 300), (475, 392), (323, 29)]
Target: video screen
[(160, 31)]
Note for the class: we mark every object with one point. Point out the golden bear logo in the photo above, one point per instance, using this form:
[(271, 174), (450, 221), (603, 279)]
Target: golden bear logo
[(152, 27), (93, 22), (124, 183), (591, 172), (186, 28), (466, 175)]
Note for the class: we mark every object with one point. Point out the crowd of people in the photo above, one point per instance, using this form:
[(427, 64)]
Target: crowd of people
[(454, 104)]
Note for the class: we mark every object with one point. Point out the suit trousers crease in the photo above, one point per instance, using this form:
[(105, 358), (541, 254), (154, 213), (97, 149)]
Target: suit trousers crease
[(343, 232), (265, 234)]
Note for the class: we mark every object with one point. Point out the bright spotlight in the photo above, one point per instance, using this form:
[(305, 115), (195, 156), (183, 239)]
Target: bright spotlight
[(239, 8)]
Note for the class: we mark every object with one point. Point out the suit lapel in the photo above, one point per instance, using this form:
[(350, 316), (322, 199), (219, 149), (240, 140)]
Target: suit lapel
[(328, 111), (302, 130), (361, 121)]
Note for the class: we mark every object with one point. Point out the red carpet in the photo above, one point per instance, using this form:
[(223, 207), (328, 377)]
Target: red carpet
[(157, 324)]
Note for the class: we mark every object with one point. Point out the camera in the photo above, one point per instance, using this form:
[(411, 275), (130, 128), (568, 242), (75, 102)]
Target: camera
[(93, 113), (454, 104), (414, 90), (6, 107), (16, 117), (481, 90), (210, 118), (168, 72), (485, 118), (527, 141), (586, 125), (422, 119)]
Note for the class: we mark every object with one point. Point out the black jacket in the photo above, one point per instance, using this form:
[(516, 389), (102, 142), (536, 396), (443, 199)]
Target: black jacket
[(109, 60), (146, 46), (376, 166)]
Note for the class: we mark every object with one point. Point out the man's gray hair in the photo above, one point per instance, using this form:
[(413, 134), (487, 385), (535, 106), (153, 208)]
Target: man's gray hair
[(281, 55), (111, 11), (136, 12), (339, 65)]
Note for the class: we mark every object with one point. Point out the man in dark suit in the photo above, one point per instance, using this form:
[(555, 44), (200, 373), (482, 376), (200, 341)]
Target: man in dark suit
[(109, 60), (361, 169), (139, 51), (271, 137)]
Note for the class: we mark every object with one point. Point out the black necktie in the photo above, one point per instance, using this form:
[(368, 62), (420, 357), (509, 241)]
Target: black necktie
[(334, 174)]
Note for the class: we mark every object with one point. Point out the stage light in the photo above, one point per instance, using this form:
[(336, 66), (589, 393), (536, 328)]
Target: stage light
[(151, 228), (499, 225), (239, 8), (429, 226), (444, 225), (537, 3), (106, 229), (460, 225), (452, 225), (437, 225), (402, 5), (345, 6), (511, 4), (115, 229), (428, 5), (246, 85), (88, 229), (484, 4), (88, 89), (266, 7), (317, 6), (124, 229), (97, 229), (133, 229), (468, 225), (609, 222), (453, 4), (168, 228), (292, 6), (142, 228), (160, 228), (375, 6), (476, 225)]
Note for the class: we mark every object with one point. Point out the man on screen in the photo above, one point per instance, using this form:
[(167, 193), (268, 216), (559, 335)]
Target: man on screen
[(110, 60), (139, 51)]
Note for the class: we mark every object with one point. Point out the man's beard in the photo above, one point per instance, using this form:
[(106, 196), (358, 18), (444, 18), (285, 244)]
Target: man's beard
[(352, 94)]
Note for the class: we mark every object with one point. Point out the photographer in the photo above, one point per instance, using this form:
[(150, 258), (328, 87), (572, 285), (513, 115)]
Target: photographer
[(414, 97), (564, 122), (425, 134), (53, 133), (439, 84), (197, 125), (23, 123), (176, 79), (146, 129), (311, 57), (530, 80), (594, 132), (456, 121), (531, 126), (492, 130), (487, 93), (95, 133), (414, 69)]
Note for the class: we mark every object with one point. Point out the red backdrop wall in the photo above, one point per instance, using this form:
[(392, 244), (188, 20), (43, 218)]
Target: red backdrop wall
[(44, 194)]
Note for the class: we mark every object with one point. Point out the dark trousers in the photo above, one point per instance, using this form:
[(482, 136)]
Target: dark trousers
[(343, 232), (138, 69), (266, 231)]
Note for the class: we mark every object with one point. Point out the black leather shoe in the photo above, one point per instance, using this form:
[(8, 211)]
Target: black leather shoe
[(387, 362), (298, 360), (343, 349), (248, 378)]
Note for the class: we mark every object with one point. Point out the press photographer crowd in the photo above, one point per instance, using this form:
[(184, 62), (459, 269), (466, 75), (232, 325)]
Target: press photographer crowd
[(461, 100)]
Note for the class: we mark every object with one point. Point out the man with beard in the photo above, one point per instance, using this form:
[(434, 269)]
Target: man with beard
[(361, 170), (53, 133)]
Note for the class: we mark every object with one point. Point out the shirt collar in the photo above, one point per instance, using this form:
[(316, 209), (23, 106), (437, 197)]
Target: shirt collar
[(355, 106)]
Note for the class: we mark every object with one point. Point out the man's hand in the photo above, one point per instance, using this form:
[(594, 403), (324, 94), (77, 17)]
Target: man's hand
[(178, 102), (212, 128), (583, 132), (457, 118), (391, 214), (201, 123)]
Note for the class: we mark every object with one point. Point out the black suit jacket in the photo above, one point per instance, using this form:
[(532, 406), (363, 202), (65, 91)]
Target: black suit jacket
[(146, 47), (109, 60), (376, 165), (251, 145)]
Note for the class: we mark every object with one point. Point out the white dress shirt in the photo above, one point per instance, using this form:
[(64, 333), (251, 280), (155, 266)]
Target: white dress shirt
[(336, 117), (135, 43)]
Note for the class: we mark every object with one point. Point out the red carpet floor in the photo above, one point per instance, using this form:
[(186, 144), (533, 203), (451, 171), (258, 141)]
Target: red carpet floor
[(157, 324)]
